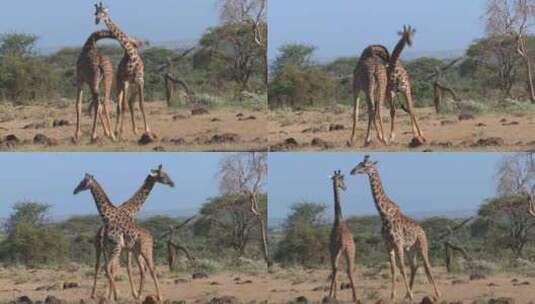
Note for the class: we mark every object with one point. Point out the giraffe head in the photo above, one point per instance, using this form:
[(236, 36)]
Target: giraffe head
[(85, 184), (364, 167), (101, 13), (407, 34), (160, 176), (338, 180)]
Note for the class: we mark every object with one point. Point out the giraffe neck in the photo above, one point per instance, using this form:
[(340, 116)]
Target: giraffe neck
[(91, 43), (125, 42), (396, 54), (338, 217), (384, 205), (133, 205), (103, 203)]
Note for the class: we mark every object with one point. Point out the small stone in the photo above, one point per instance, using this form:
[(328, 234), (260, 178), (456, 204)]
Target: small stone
[(199, 275), (416, 142), (69, 285), (146, 139), (336, 127), (199, 111), (466, 116), (477, 276)]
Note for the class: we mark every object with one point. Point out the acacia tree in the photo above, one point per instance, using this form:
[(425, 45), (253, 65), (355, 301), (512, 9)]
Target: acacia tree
[(516, 174), (246, 173), (512, 18)]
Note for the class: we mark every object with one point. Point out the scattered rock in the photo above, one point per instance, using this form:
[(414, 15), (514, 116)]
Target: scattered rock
[(447, 122), (252, 117), (215, 119), (41, 139), (416, 142), (53, 300), (301, 300), (178, 141), (60, 123), (512, 123), (318, 142), (477, 276), (329, 300), (244, 282), (345, 286), (34, 125), (427, 300), (224, 300), (492, 284), (240, 115), (199, 275), (490, 142), (525, 283), (502, 300), (514, 280), (457, 282), (224, 138), (180, 117), (466, 116), (312, 130), (336, 127), (150, 300), (181, 281), (199, 111), (215, 283), (288, 144), (481, 125), (146, 139), (23, 300), (11, 138), (69, 285), (158, 149), (320, 288), (503, 120)]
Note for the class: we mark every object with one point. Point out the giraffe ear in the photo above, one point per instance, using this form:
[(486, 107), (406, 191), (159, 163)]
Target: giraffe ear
[(376, 162), (160, 167)]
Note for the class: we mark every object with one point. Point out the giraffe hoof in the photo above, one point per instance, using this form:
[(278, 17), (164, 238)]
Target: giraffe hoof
[(75, 140), (95, 140)]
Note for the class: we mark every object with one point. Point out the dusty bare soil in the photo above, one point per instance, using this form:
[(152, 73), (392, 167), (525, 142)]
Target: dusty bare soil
[(313, 130), (282, 286), (177, 130)]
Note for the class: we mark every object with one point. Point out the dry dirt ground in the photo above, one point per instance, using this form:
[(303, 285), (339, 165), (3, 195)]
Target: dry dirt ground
[(282, 286), (177, 130), (312, 130)]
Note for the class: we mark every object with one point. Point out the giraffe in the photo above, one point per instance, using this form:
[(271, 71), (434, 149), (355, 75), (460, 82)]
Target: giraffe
[(399, 82), (92, 67), (131, 207), (120, 232), (131, 70), (371, 75), (341, 240), (400, 233)]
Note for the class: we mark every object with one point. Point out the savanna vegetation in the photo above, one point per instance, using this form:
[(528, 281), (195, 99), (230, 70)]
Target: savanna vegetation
[(494, 73), (500, 237), (227, 233), (226, 66)]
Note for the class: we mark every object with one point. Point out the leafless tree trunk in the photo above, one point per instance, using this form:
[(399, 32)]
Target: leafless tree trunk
[(246, 173)]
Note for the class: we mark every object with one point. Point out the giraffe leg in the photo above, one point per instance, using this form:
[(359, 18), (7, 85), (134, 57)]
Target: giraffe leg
[(98, 250), (401, 257), (142, 269), (131, 101), (96, 113), (107, 104), (371, 111), (121, 86), (350, 262), (356, 104), (379, 101), (334, 269), (110, 271), (423, 250), (135, 295), (147, 257), (417, 132), (413, 263), (141, 105), (392, 256), (392, 105), (123, 104), (79, 99)]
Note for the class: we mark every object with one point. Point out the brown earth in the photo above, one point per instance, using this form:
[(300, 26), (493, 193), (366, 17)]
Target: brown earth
[(282, 286), (225, 129), (314, 130)]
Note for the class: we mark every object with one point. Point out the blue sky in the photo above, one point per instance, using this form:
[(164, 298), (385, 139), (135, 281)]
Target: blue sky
[(345, 27), (52, 177), (421, 183), (69, 23)]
